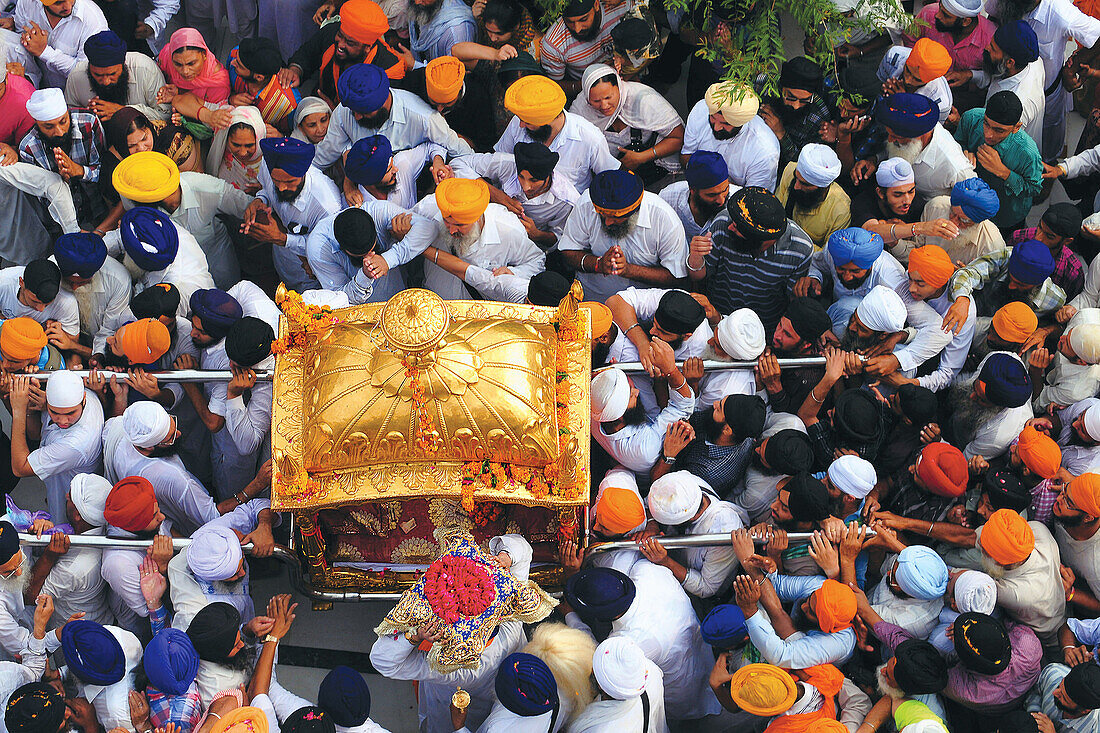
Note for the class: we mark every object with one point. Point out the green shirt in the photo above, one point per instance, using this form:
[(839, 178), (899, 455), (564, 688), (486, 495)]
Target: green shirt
[(1020, 155)]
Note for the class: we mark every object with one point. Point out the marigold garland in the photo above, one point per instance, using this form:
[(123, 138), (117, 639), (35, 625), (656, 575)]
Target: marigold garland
[(305, 323), (427, 437)]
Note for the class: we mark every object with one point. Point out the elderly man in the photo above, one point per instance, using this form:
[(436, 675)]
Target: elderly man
[(1013, 53), (112, 78), (624, 674), (55, 34), (991, 408), (810, 193), (725, 122), (970, 208), (700, 198), (35, 292), (920, 70), (853, 263)]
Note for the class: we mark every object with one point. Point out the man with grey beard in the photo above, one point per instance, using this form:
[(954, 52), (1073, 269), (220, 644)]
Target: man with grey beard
[(20, 584), (991, 408)]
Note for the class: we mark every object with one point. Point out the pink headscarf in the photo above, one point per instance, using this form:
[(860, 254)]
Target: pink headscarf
[(212, 85)]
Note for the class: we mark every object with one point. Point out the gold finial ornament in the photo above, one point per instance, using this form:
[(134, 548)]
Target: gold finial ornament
[(461, 699), (415, 319)]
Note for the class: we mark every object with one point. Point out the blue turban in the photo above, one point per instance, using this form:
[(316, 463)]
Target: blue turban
[(1006, 381), (93, 653), (368, 160), (363, 88), (1031, 262), (345, 696), (9, 542), (105, 48), (288, 154), (977, 200), (908, 115), (171, 662), (616, 192), (921, 573), (149, 237), (855, 246), (1019, 42), (79, 253), (724, 627), (525, 685), (706, 169), (601, 594), (217, 309)]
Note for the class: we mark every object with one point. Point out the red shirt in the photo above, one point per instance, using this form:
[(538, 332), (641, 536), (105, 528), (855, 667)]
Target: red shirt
[(14, 120)]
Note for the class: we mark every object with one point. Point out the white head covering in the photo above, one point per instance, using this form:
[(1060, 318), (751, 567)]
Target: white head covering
[(893, 62), (640, 107), (882, 310), (89, 494), (146, 423), (818, 165), (925, 726), (518, 548), (1085, 341), (962, 8), (741, 335), (895, 172), (308, 106), (675, 497), (332, 298), (975, 592), (737, 104), (250, 116), (47, 104), (215, 553), (619, 666), (1091, 418), (853, 475), (610, 395), (64, 389)]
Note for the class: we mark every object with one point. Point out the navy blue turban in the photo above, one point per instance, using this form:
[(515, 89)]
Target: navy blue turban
[(36, 707), (602, 594), (9, 542), (908, 115), (149, 237), (1006, 381), (104, 49), (616, 192), (1018, 41), (363, 88), (217, 309), (525, 685), (976, 199), (1031, 262), (93, 653), (79, 253), (368, 160), (855, 246), (308, 719), (345, 696), (171, 662), (288, 154), (706, 169), (724, 627)]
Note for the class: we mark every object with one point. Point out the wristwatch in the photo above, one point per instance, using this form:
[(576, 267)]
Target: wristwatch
[(271, 637), (668, 459)]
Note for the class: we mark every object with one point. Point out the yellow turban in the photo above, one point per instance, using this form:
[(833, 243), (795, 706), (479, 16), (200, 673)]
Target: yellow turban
[(462, 200), (147, 177), (243, 720), (443, 76), (22, 339), (536, 100), (738, 104), (763, 689), (601, 317)]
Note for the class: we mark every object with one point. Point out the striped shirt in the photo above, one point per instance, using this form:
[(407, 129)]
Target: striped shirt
[(1042, 701), (563, 55)]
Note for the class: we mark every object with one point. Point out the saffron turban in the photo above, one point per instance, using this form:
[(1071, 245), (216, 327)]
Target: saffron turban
[(920, 669), (363, 21), (610, 393), (982, 643), (1084, 491), (962, 8), (443, 77), (536, 159), (345, 696), (525, 685), (853, 475), (93, 653), (882, 310), (36, 707), (600, 594), (89, 492), (763, 689), (818, 165), (216, 309), (724, 626), (214, 631), (1005, 380), (22, 338), (131, 505), (1014, 322), (894, 172), (80, 254), (616, 192), (144, 341), (215, 553), (1085, 342), (928, 60), (1031, 262), (536, 99), (1018, 41), (363, 88), (600, 316), (975, 592), (368, 160), (835, 606), (855, 246), (675, 497), (921, 573), (64, 390), (705, 169), (741, 335), (287, 154), (47, 104), (146, 177), (976, 199), (757, 213), (243, 720), (149, 237), (789, 452), (908, 115), (105, 49), (736, 103), (171, 662), (146, 423), (1039, 452), (933, 264), (1006, 537), (462, 200), (943, 469), (619, 666), (619, 508)]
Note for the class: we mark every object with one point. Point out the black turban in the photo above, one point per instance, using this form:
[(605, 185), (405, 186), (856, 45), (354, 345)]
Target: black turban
[(801, 73), (1083, 685), (308, 719), (679, 313), (249, 341), (859, 80), (809, 499), (745, 415), (547, 288), (536, 159), (163, 299), (354, 231), (632, 35), (9, 542), (757, 213), (1063, 219), (856, 418), (789, 452), (920, 669), (918, 404), (808, 318), (260, 56), (1018, 721), (1004, 107), (36, 707), (982, 643), (576, 8), (1005, 490), (213, 631)]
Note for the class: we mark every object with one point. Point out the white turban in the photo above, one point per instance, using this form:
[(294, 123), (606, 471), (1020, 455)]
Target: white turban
[(975, 592), (895, 172), (882, 310), (214, 553), (518, 548), (962, 8), (610, 395), (818, 165), (930, 725), (737, 104), (1085, 342), (741, 335), (675, 497), (852, 475), (146, 423), (619, 666), (3, 63), (332, 298), (47, 104), (64, 390), (893, 62), (88, 492), (1091, 418)]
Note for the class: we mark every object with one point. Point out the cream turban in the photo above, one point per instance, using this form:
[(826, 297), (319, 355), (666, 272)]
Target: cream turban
[(146, 423), (741, 335), (518, 548), (1091, 418), (853, 475), (47, 104), (620, 668), (610, 395), (975, 592), (818, 165), (1085, 341), (89, 494), (882, 310), (215, 553), (64, 390), (675, 497), (738, 104)]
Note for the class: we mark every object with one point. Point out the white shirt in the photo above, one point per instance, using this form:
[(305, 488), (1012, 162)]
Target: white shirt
[(62, 308), (76, 584), (63, 453), (1081, 555), (549, 210), (626, 715), (409, 164), (710, 570), (65, 46), (14, 675), (145, 81), (120, 568), (580, 144), (503, 720), (319, 198), (916, 616), (1056, 22), (1090, 296), (188, 271), (1032, 594), (1077, 459), (941, 165), (180, 495), (954, 354), (752, 154), (102, 301), (1030, 86), (637, 446), (46, 185), (112, 702), (885, 270), (249, 423)]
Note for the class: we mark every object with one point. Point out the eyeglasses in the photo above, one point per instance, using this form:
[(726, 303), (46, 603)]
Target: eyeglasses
[(791, 99)]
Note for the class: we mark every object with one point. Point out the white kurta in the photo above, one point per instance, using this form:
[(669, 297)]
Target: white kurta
[(549, 210), (65, 46), (1030, 86), (102, 302), (580, 144), (1032, 593), (917, 617), (752, 155), (63, 453), (941, 165), (638, 446), (627, 715), (62, 308), (181, 496), (76, 585)]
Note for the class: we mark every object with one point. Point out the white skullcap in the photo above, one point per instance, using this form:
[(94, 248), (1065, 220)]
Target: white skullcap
[(741, 335), (818, 165), (47, 104), (214, 553), (1091, 419), (64, 389), (518, 548), (1085, 342), (962, 8), (853, 475), (332, 298), (675, 497), (610, 395), (895, 172), (893, 62), (619, 666), (975, 592), (88, 492), (882, 310), (146, 423), (738, 104)]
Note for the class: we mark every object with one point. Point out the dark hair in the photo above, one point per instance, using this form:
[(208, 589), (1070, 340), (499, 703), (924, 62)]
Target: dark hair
[(129, 121), (611, 79), (200, 49), (506, 14), (174, 140), (238, 126)]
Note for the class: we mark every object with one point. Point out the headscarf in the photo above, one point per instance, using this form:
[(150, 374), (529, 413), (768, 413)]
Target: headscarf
[(287, 154), (705, 169), (638, 107), (600, 594), (363, 88), (1014, 322), (536, 100), (763, 690), (216, 309), (894, 172), (619, 666), (975, 592), (22, 338), (64, 390), (724, 626), (171, 661), (818, 165), (88, 492), (1039, 452), (248, 341), (920, 669), (368, 160), (105, 49), (147, 177), (789, 452), (308, 106), (616, 192), (93, 653), (462, 199), (929, 60), (741, 335), (143, 341), (737, 103), (1031, 262), (215, 553), (1084, 491), (1085, 342), (220, 161), (36, 707), (619, 507), (519, 549), (345, 696), (882, 310), (1007, 538), (921, 573), (1005, 380), (675, 497), (853, 476), (363, 21), (525, 685), (933, 264), (758, 214), (443, 78), (855, 246), (131, 504), (835, 606), (976, 199), (47, 104), (610, 393), (213, 631), (149, 237), (982, 643), (943, 469), (80, 254), (243, 720), (1017, 39), (908, 115), (212, 83)]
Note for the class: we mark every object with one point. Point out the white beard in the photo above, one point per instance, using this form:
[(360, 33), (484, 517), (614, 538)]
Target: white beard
[(885, 687), (991, 568), (18, 583), (909, 151), (465, 244), (85, 303)]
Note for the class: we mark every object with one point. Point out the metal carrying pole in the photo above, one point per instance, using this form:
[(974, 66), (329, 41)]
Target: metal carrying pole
[(698, 540)]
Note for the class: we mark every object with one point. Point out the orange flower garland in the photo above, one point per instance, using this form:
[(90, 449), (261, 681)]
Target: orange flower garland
[(305, 323)]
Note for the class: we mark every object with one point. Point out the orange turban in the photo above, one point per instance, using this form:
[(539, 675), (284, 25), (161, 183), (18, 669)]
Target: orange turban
[(932, 263), (825, 677), (619, 510), (928, 60), (22, 339), (363, 21), (1084, 492), (1007, 538), (131, 505), (462, 199), (943, 469), (1039, 452), (536, 100), (243, 720), (835, 607), (601, 317), (443, 77), (144, 341), (763, 689), (1015, 322)]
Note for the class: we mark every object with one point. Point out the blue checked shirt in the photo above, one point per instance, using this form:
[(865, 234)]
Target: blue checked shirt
[(993, 268)]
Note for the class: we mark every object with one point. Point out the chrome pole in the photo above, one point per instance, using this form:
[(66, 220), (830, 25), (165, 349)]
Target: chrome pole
[(712, 365), (699, 540), (168, 375)]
